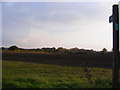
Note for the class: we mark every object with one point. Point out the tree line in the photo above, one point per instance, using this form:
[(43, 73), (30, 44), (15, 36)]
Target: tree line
[(59, 50)]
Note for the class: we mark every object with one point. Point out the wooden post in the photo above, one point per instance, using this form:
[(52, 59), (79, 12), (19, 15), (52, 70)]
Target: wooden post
[(115, 71)]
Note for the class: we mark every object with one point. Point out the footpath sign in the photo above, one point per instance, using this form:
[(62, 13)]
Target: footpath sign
[(116, 28)]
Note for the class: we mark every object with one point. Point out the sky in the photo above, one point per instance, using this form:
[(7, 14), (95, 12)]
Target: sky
[(57, 24)]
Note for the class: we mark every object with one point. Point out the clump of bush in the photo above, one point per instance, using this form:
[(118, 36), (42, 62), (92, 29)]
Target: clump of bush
[(13, 48)]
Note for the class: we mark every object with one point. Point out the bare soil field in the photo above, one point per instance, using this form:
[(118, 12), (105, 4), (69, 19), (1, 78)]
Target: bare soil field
[(98, 60)]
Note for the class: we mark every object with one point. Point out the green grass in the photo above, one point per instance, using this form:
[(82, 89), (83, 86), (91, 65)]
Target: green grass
[(31, 75)]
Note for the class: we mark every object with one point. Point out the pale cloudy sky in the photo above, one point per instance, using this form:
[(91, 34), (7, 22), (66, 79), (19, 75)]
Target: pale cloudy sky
[(57, 24)]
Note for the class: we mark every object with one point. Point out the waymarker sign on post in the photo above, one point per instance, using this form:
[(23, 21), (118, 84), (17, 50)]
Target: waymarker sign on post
[(116, 28)]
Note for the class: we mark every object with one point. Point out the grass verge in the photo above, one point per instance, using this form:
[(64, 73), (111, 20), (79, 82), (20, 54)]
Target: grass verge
[(31, 75)]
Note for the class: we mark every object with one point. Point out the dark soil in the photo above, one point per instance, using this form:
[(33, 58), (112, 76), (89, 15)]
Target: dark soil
[(97, 60)]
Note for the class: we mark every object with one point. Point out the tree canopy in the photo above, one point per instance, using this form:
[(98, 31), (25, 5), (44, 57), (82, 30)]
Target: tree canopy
[(13, 48)]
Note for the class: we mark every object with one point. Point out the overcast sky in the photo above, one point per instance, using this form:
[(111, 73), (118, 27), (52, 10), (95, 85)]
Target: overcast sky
[(61, 24)]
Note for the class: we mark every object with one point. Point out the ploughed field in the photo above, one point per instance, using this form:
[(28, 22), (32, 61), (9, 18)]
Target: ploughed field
[(76, 60)]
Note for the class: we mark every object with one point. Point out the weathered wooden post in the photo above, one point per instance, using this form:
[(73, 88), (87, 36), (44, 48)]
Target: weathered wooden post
[(115, 70)]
